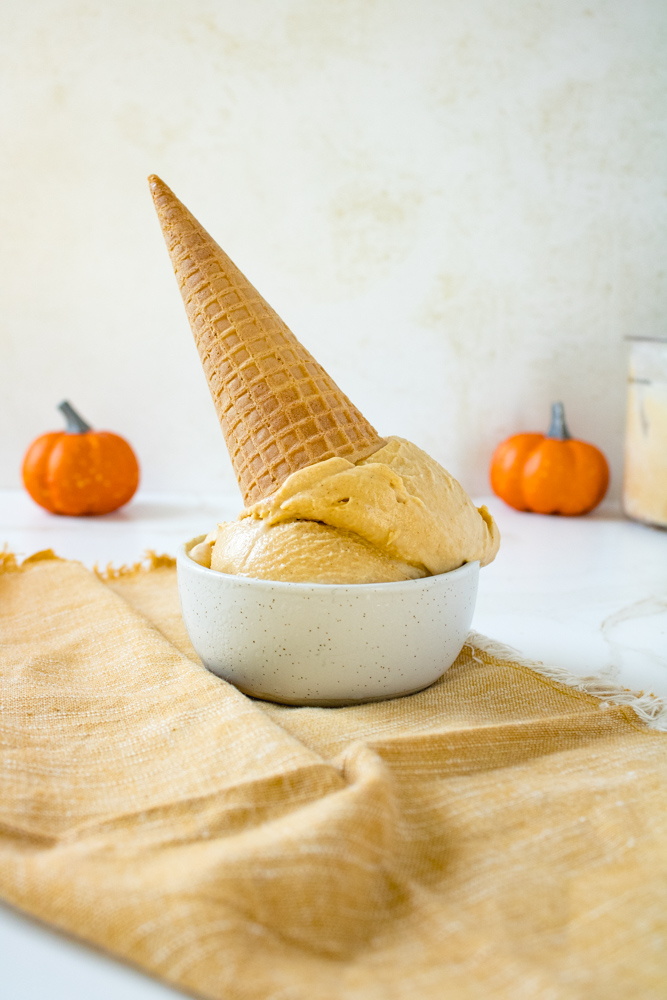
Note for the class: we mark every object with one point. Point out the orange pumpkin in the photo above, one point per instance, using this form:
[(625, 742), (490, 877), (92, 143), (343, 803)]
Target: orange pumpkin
[(550, 474), (80, 471)]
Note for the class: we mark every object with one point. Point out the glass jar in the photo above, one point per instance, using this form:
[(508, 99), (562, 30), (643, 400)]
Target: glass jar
[(645, 481)]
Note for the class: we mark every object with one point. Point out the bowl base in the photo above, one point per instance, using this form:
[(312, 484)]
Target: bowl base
[(328, 702)]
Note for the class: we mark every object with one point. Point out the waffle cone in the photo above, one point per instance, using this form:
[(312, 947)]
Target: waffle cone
[(278, 408)]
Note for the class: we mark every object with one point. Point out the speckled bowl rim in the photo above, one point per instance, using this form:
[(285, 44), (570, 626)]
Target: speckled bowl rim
[(250, 581)]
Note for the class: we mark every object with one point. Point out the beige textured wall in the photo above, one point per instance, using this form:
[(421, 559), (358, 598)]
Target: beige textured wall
[(457, 205)]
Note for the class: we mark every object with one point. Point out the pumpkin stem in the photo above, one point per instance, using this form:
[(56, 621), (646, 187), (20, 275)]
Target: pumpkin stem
[(75, 423), (558, 427)]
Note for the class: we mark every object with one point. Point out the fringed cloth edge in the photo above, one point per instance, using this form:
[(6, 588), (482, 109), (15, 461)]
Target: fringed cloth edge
[(650, 708), (150, 560)]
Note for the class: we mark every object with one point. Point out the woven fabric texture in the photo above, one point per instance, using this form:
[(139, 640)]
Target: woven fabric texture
[(498, 836)]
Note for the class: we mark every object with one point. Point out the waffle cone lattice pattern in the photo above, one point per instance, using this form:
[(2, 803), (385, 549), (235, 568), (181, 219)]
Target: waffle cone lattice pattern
[(278, 408)]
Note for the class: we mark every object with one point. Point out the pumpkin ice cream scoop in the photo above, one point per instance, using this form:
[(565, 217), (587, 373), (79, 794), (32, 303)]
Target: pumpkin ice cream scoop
[(396, 515), (328, 500)]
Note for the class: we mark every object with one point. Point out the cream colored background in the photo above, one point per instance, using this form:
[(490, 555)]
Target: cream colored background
[(457, 205)]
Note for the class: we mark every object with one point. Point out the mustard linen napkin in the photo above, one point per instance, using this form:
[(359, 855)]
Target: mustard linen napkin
[(499, 835)]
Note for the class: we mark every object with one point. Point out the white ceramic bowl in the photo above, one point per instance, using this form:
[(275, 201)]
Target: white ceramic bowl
[(326, 644)]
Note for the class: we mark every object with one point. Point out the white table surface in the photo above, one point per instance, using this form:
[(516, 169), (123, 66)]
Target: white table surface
[(588, 594)]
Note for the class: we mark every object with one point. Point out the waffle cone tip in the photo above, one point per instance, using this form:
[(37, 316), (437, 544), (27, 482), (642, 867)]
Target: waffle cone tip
[(155, 184)]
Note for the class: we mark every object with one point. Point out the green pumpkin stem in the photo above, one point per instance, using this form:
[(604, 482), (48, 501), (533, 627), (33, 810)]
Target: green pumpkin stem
[(558, 427), (75, 423)]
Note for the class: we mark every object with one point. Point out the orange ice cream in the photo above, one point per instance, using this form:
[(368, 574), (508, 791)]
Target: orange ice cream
[(396, 515)]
